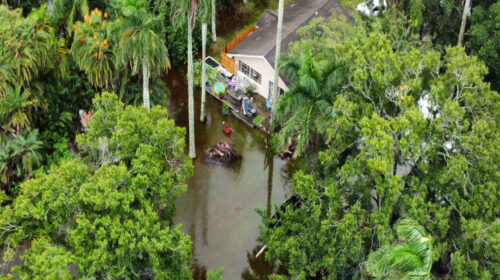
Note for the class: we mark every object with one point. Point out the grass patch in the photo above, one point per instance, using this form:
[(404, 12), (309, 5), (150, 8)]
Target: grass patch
[(350, 4), (258, 120)]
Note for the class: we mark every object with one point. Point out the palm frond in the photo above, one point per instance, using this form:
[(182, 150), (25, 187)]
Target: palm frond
[(412, 260)]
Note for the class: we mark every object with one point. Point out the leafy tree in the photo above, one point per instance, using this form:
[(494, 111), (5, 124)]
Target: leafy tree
[(140, 45), (409, 260), (107, 220), (413, 135), (151, 145), (45, 260), (303, 112), (92, 49), (484, 39)]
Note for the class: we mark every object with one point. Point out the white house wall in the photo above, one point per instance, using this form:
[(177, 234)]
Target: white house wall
[(260, 65)]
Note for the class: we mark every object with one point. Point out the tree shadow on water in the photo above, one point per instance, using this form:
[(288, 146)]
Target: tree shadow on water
[(260, 268)]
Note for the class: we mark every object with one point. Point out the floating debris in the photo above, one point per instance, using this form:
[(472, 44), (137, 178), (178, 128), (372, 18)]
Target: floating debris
[(221, 153)]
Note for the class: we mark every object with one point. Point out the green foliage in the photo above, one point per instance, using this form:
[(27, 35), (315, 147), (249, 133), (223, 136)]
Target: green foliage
[(484, 39), (217, 275), (62, 100), (159, 92), (212, 74), (139, 139), (60, 153), (176, 37), (411, 135), (225, 108), (140, 43), (258, 120), (15, 108), (350, 4), (301, 114), (28, 47), (409, 260), (92, 49), (18, 157), (106, 219), (64, 13), (45, 261), (25, 5)]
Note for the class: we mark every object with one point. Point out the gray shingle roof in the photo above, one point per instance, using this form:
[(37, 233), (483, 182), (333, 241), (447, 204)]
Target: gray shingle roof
[(262, 42)]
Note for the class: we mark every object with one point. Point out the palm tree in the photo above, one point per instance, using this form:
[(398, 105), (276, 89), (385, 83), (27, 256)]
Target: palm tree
[(15, 109), (26, 47), (304, 112), (185, 12), (278, 51), (203, 70), (214, 31), (464, 21), (409, 260), (140, 46), (91, 49), (67, 11), (18, 156), (5, 75)]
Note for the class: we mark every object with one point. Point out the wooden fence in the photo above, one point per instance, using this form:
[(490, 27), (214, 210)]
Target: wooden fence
[(226, 61)]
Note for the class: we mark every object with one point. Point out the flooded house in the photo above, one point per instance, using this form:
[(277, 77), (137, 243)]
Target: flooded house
[(250, 56)]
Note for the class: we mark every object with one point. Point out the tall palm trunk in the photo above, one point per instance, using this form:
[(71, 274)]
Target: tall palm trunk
[(203, 70), (192, 150), (270, 170), (278, 51), (214, 31), (145, 83), (464, 22)]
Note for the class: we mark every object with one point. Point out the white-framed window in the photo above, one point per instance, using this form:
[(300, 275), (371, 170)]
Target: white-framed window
[(250, 72)]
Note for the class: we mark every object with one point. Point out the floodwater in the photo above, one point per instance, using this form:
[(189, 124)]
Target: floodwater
[(218, 209)]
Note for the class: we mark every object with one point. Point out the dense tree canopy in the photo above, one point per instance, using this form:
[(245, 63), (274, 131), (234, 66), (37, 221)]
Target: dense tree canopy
[(484, 39), (412, 135), (110, 213), (404, 124)]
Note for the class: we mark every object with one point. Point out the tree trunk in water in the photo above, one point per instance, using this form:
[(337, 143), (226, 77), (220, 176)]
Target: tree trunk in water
[(270, 171), (192, 149), (464, 23), (145, 83), (203, 70), (214, 31), (278, 51)]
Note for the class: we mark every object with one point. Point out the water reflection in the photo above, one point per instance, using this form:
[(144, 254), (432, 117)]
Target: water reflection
[(259, 268), (217, 210)]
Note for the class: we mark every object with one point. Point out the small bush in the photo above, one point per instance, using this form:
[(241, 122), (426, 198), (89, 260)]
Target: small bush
[(258, 120)]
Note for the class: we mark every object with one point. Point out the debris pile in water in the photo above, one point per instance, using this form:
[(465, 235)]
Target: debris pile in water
[(221, 153)]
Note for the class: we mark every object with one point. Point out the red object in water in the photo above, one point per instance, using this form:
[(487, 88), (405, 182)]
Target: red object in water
[(227, 130)]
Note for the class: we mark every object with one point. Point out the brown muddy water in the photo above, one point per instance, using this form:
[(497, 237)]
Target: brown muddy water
[(218, 208)]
